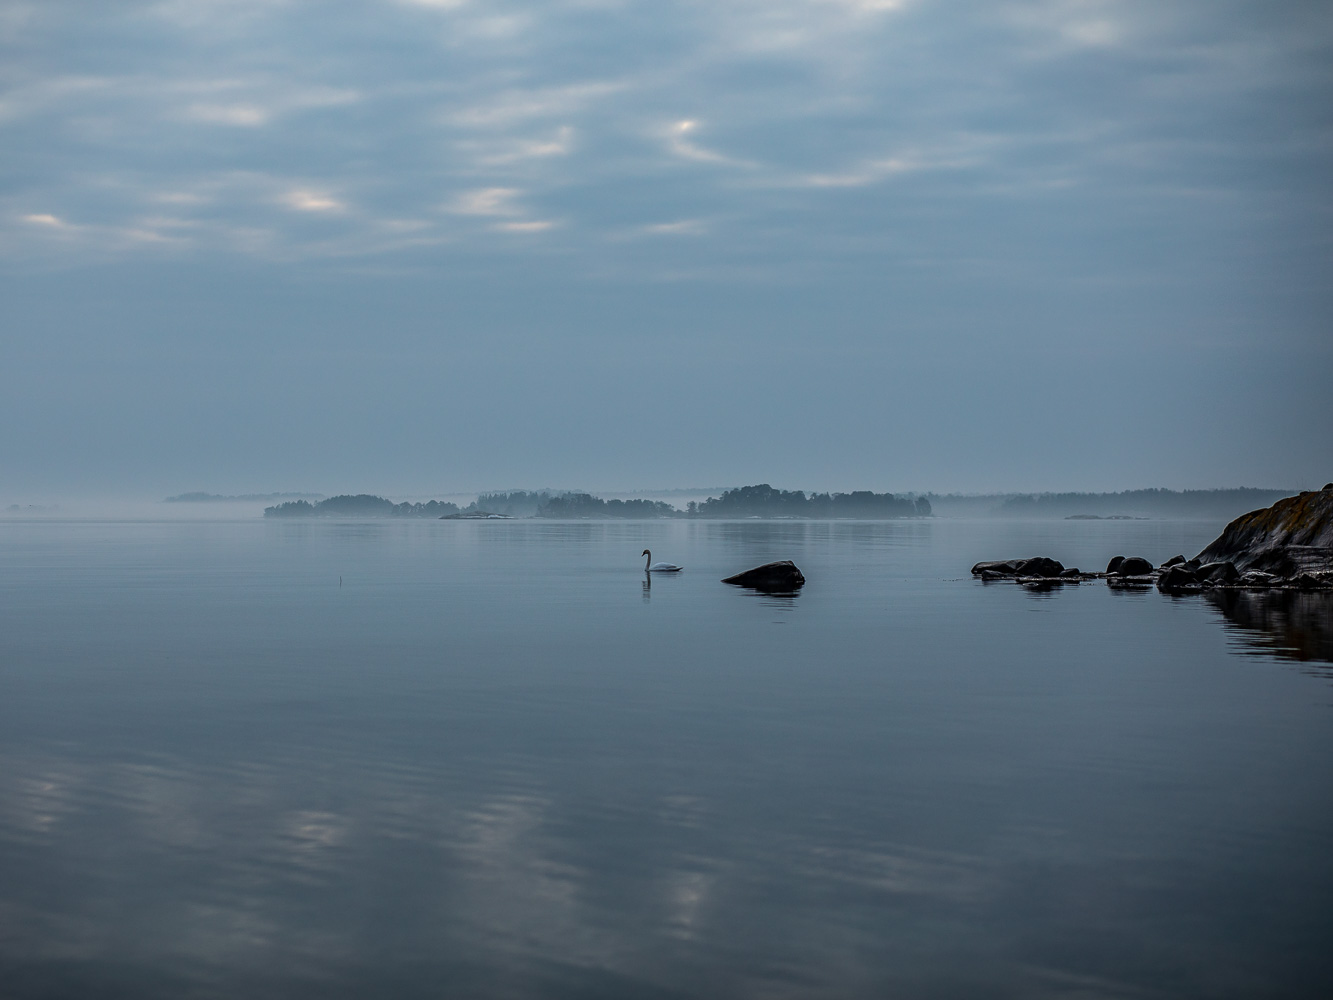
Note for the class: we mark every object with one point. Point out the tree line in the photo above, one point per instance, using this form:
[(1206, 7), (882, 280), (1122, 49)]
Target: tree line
[(761, 500)]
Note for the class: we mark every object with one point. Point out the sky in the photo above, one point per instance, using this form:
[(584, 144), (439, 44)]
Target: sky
[(430, 246)]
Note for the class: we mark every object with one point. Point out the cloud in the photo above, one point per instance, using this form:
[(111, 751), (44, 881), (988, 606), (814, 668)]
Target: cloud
[(681, 227), (509, 106), (509, 151), (45, 219), (228, 114), (304, 200), (535, 226), (486, 201), (679, 142)]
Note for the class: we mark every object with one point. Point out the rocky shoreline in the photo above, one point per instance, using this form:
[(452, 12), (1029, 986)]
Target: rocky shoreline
[(1288, 546)]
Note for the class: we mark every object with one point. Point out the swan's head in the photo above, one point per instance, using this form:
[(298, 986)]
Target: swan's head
[(645, 552)]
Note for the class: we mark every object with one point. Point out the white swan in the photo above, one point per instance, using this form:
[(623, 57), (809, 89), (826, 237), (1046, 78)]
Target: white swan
[(652, 567)]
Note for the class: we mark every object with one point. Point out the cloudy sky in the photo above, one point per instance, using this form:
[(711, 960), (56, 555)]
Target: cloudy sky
[(407, 246)]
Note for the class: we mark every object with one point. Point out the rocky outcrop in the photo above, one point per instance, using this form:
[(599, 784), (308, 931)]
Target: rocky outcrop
[(1288, 546), (773, 577), (1290, 538)]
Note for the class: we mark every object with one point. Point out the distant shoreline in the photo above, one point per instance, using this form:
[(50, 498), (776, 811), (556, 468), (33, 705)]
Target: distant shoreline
[(766, 503)]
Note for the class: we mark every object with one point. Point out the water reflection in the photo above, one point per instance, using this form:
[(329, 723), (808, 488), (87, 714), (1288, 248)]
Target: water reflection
[(1291, 624)]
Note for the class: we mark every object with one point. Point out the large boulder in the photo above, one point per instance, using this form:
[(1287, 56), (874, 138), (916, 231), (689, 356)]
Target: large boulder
[(1133, 566), (1177, 578), (1040, 566), (1293, 536), (774, 576)]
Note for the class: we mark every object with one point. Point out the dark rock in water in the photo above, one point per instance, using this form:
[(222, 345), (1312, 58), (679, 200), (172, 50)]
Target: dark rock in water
[(1292, 537), (1036, 566), (1114, 565), (1220, 573), (1173, 561), (1071, 574), (1134, 566), (1257, 578), (1176, 578), (1000, 567), (774, 576), (1311, 581), (1040, 566)]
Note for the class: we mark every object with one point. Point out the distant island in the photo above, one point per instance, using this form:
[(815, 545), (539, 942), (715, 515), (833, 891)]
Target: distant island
[(250, 497), (764, 501), (360, 505), (761, 501)]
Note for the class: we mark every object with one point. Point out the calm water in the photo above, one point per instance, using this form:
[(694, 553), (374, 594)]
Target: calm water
[(495, 762)]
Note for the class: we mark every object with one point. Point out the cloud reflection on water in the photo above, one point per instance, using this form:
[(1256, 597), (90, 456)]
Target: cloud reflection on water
[(293, 875)]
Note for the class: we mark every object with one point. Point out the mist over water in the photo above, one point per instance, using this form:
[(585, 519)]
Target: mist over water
[(332, 758)]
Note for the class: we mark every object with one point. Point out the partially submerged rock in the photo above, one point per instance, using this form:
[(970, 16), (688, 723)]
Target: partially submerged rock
[(1036, 571), (1178, 577), (1133, 566), (775, 576), (1036, 566)]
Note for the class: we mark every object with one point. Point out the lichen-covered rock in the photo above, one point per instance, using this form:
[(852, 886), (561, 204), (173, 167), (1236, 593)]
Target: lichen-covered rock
[(1292, 537)]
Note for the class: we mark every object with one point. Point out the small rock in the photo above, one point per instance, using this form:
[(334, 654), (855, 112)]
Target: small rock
[(1173, 561), (1071, 574), (1114, 565)]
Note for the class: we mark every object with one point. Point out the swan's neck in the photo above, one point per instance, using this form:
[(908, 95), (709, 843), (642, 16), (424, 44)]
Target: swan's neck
[(647, 559)]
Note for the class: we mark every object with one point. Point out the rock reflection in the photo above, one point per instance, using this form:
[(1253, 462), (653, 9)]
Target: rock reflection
[(1294, 625)]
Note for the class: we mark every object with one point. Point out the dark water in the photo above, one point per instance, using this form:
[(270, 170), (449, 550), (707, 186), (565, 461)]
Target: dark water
[(495, 762)]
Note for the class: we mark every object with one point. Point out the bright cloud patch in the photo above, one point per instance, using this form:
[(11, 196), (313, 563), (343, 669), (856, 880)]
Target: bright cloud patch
[(312, 201)]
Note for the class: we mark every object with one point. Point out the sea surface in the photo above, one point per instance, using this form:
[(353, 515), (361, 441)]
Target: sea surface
[(411, 759)]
